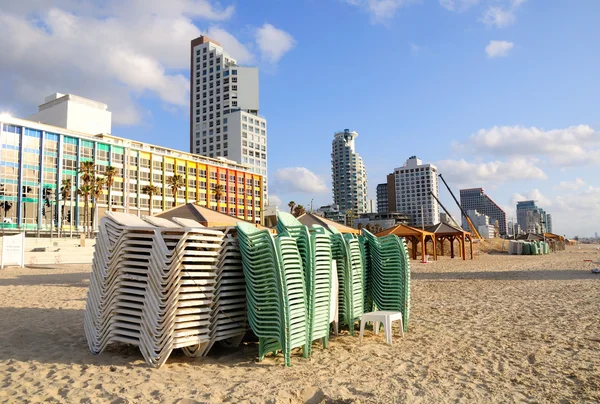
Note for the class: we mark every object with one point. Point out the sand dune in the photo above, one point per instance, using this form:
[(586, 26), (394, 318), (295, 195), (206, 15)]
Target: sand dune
[(499, 328)]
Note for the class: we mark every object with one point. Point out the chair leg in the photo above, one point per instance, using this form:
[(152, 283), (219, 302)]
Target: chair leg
[(388, 329), (375, 327), (362, 330), (401, 327)]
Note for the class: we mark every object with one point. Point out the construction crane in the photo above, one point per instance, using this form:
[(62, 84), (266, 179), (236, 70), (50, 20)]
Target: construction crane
[(471, 225), (443, 207)]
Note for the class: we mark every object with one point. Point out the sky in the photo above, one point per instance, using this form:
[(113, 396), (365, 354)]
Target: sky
[(499, 94)]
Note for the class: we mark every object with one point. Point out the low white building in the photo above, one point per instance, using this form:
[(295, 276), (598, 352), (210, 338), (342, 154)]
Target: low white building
[(482, 224), (74, 113)]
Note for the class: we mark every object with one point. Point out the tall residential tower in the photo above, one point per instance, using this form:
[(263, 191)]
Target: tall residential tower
[(414, 182), (224, 120), (348, 174)]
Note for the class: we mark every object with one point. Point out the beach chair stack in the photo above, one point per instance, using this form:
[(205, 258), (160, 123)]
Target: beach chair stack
[(346, 252), (389, 274), (276, 291), (314, 246), (152, 285)]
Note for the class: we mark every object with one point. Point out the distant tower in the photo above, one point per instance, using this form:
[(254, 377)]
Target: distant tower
[(224, 109), (348, 174), (414, 181)]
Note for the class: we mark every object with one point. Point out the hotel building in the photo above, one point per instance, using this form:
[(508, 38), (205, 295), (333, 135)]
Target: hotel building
[(224, 120), (35, 158)]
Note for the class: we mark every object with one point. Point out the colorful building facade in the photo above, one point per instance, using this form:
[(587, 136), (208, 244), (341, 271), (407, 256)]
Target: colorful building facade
[(36, 158)]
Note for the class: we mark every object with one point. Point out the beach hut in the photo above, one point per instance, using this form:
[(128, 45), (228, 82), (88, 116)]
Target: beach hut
[(204, 216), (415, 236), (444, 231), (308, 219)]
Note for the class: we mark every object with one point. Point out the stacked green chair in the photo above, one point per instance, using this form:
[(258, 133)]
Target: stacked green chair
[(276, 292), (406, 283), (389, 274), (338, 250), (314, 246), (320, 292), (294, 297), (354, 281), (364, 250)]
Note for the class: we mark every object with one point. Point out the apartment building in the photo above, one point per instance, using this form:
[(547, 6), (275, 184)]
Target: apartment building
[(413, 183), (224, 108), (348, 173)]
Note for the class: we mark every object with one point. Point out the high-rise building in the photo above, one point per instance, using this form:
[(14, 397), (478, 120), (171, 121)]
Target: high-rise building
[(224, 120), (37, 159), (477, 199), (382, 198), (549, 223), (348, 174), (413, 182), (532, 218)]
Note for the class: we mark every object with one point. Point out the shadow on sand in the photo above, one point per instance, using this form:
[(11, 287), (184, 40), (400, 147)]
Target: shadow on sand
[(73, 279), (532, 275)]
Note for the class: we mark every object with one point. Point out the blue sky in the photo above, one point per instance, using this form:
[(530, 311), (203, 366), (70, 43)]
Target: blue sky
[(498, 93)]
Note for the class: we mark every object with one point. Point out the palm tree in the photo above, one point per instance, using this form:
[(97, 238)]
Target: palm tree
[(26, 190), (176, 182), (109, 177), (87, 169), (350, 218), (97, 190), (5, 205), (291, 205), (218, 192), (85, 190), (65, 193), (150, 190), (299, 210)]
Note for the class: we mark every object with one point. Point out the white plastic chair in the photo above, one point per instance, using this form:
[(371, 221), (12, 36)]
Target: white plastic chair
[(385, 317)]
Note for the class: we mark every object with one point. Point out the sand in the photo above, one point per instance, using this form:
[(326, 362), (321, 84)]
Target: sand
[(499, 328)]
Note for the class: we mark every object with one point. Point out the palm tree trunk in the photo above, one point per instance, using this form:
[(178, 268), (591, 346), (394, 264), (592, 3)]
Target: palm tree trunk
[(109, 199), (150, 206)]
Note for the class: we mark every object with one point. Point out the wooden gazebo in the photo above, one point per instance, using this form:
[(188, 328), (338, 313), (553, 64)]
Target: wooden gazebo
[(415, 236), (444, 231)]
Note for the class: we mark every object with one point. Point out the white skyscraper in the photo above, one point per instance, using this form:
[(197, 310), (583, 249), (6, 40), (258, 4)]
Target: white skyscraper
[(414, 181), (348, 174), (224, 120)]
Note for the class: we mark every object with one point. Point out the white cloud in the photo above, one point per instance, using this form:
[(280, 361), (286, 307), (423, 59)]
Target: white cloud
[(274, 200), (500, 17), (273, 42), (297, 179), (533, 195), (380, 10), (469, 174), (577, 213), (458, 5), (117, 52), (498, 48), (574, 185), (572, 146), (239, 51)]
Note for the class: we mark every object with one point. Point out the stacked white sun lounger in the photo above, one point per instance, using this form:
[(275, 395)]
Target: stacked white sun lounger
[(153, 284)]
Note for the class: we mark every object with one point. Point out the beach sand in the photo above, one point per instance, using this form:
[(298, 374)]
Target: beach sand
[(499, 328)]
